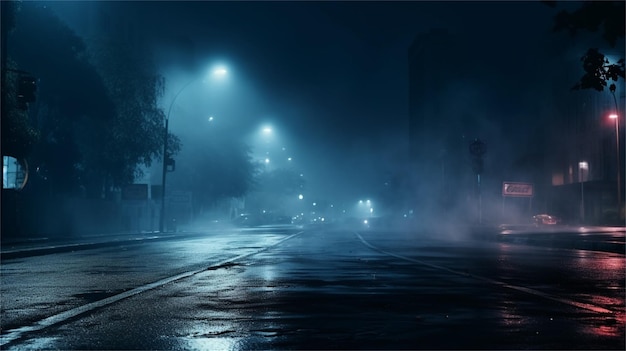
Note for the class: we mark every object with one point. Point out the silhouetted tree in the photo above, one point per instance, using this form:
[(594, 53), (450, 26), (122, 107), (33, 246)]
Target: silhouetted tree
[(276, 191), (138, 125), (72, 110), (593, 16), (214, 169), (97, 104), (134, 86), (280, 182), (18, 134)]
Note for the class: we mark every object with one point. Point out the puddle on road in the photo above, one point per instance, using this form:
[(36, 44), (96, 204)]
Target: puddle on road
[(225, 265), (97, 295)]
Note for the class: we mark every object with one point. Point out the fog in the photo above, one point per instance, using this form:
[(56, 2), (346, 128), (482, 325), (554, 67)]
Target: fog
[(335, 92)]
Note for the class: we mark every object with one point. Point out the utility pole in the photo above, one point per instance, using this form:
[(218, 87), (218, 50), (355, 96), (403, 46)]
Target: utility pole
[(477, 150), (619, 164)]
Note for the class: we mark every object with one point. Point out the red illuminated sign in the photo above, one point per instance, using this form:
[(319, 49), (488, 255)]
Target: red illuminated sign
[(517, 189)]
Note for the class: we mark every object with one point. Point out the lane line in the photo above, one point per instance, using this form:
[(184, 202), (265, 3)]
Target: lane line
[(582, 305), (18, 333)]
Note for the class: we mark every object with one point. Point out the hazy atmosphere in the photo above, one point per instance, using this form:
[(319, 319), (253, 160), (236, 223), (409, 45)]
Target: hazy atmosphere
[(336, 84), (327, 175)]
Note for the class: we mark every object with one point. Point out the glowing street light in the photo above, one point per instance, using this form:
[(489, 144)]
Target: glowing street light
[(219, 71), (615, 116)]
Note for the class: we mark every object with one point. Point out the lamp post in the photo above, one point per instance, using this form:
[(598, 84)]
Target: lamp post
[(166, 159), (477, 150), (615, 116), (583, 167)]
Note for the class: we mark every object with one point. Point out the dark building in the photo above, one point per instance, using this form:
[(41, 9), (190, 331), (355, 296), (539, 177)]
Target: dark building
[(440, 124), (537, 130), (584, 152)]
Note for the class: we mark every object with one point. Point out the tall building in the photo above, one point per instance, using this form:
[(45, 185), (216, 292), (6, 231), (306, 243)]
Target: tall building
[(437, 132), (584, 151)]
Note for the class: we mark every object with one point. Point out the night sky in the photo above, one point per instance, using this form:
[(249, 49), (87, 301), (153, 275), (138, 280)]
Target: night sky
[(332, 76)]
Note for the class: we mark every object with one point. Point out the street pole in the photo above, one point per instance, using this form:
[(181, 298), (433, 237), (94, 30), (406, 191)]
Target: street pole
[(477, 150), (480, 202), (166, 157), (582, 201), (618, 164), (619, 190)]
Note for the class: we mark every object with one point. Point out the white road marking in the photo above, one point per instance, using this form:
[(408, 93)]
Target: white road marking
[(15, 334), (582, 305)]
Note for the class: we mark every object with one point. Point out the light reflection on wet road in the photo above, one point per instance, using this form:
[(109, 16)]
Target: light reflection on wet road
[(327, 290)]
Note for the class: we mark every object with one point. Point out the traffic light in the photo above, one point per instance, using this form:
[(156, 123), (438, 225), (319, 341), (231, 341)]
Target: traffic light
[(170, 164), (26, 88)]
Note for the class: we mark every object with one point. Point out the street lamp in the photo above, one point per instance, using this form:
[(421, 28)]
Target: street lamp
[(583, 167), (619, 193), (219, 71)]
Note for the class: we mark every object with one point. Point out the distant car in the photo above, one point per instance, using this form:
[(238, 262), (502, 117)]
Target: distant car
[(545, 219)]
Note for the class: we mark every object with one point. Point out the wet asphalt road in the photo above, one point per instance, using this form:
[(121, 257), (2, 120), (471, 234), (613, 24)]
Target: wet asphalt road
[(269, 289)]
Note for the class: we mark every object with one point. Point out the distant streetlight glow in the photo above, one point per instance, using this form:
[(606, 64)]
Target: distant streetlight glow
[(220, 71), (300, 197), (210, 118), (613, 116), (267, 160), (267, 130)]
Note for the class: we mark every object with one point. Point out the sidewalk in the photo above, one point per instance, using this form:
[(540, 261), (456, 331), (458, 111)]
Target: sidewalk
[(594, 238), (44, 245)]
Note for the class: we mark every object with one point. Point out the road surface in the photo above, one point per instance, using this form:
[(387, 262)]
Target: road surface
[(273, 288)]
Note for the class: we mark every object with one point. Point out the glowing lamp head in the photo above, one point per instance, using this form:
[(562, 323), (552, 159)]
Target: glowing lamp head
[(220, 71), (613, 116)]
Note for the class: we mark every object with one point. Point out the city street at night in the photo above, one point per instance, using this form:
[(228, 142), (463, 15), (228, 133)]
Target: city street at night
[(312, 175)]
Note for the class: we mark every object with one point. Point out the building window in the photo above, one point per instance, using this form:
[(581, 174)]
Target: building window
[(558, 179), (13, 174)]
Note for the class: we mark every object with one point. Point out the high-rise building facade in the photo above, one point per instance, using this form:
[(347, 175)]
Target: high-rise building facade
[(585, 157), (438, 135)]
